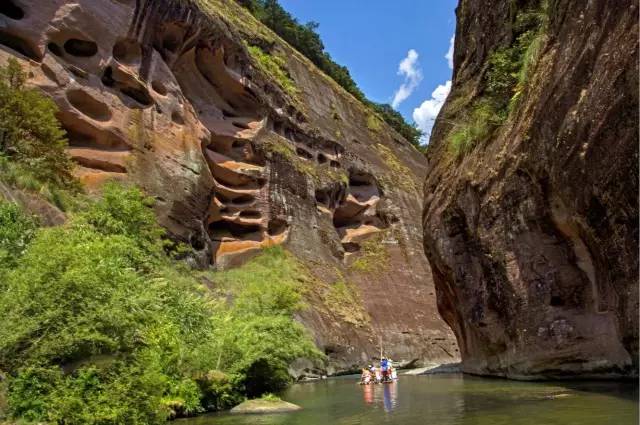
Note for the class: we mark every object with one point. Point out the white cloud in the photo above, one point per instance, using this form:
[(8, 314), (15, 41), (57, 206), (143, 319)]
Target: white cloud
[(449, 55), (412, 73), (425, 114)]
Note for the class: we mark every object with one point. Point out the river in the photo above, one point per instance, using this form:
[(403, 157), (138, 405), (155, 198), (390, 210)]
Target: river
[(451, 399)]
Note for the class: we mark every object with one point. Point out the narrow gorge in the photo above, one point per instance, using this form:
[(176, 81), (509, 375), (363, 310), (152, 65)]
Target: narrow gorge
[(201, 212)]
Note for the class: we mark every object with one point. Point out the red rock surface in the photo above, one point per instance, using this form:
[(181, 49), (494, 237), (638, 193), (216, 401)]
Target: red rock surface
[(533, 235), (165, 94)]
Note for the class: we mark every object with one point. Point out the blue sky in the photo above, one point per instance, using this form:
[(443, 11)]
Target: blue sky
[(372, 38)]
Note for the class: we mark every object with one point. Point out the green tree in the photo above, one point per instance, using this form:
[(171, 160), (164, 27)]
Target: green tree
[(99, 326)]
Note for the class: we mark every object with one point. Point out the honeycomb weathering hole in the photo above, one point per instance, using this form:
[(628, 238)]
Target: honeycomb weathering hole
[(55, 49), (243, 199), (177, 118), (322, 197), (88, 105), (221, 229), (276, 226), (107, 77), (250, 214), (127, 51), (173, 37), (241, 125), (159, 88), (19, 45), (11, 10), (139, 94), (304, 153), (351, 247), (81, 48)]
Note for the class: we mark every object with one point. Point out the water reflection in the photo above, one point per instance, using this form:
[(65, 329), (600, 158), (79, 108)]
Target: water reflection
[(390, 396), (381, 394), (447, 400)]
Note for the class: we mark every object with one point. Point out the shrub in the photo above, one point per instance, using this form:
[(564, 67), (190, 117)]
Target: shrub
[(275, 67), (344, 299), (100, 327), (483, 119), (96, 306), (259, 337), (392, 117), (373, 255), (30, 134), (219, 390), (16, 231), (505, 80)]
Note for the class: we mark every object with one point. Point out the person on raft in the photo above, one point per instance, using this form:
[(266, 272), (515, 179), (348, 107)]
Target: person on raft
[(384, 368), (366, 377), (374, 375)]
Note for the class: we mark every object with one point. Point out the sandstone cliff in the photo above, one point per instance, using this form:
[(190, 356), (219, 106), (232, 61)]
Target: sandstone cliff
[(244, 144), (531, 221)]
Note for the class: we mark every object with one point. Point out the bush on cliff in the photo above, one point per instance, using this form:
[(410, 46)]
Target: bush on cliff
[(16, 231), (504, 82), (30, 134), (100, 326), (259, 339)]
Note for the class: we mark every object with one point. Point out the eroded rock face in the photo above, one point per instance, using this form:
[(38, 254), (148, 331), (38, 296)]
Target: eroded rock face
[(533, 235), (165, 94)]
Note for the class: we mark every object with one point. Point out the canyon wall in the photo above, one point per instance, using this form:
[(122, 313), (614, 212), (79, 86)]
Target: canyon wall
[(244, 144), (531, 223)]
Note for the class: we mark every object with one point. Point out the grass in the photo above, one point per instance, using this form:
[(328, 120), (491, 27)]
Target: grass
[(477, 127), (373, 122), (20, 177), (278, 145), (276, 268), (506, 80), (373, 256), (401, 175), (275, 67), (345, 300), (319, 173), (529, 59), (270, 398)]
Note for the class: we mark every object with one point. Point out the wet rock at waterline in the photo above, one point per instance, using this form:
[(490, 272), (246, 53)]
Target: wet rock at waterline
[(166, 94), (261, 406), (531, 220)]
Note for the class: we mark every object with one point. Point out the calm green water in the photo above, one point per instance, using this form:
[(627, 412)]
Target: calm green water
[(449, 400)]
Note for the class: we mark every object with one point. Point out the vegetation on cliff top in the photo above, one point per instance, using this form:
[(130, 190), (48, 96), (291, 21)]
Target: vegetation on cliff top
[(102, 325), (504, 82), (305, 39)]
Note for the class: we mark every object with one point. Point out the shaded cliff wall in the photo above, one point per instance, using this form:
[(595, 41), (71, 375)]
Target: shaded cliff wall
[(244, 144), (531, 223)]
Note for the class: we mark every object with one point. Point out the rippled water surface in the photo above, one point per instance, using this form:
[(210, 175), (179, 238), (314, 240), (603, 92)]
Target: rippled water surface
[(449, 400)]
